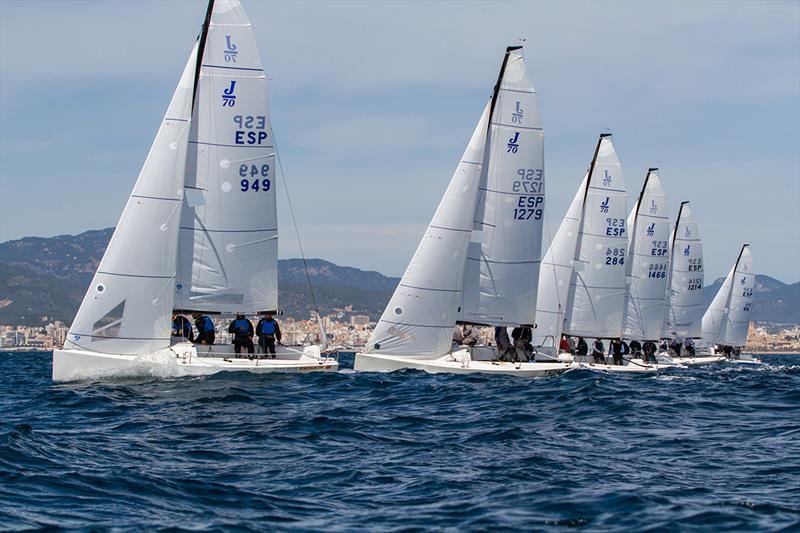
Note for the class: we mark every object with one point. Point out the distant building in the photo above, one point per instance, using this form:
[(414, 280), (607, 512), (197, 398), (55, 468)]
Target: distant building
[(359, 321)]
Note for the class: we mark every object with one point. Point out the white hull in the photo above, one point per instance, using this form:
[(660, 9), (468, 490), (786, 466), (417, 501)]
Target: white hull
[(182, 360), (630, 365), (698, 360), (459, 362)]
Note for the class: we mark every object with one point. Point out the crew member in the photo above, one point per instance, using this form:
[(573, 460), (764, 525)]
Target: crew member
[(467, 335), (598, 351), (523, 336), (505, 350), (649, 349), (268, 332), (636, 348), (242, 330), (181, 327), (583, 348), (688, 346), (205, 329), (564, 344), (616, 351)]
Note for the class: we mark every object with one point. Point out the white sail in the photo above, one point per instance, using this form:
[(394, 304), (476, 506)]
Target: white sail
[(684, 297), (502, 269), (596, 299), (229, 237), (127, 309), (556, 273), (736, 319), (421, 314), (647, 262), (715, 314)]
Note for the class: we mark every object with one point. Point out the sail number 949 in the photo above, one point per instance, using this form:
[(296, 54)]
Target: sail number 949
[(256, 177)]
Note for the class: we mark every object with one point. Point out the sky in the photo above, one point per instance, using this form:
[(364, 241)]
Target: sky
[(373, 103)]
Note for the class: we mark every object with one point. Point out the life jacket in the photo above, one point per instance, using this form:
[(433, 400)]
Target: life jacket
[(241, 326), (268, 327)]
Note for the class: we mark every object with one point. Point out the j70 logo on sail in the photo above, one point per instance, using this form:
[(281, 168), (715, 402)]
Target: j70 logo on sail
[(517, 115), (653, 207), (604, 205), (230, 52), (513, 144), (606, 179), (228, 98), (651, 229)]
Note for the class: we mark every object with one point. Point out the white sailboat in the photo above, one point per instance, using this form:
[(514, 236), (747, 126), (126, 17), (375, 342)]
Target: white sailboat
[(684, 297), (478, 261), (582, 288), (199, 231), (727, 320)]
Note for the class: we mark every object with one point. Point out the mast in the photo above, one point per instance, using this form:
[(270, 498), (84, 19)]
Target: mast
[(201, 47), (496, 91)]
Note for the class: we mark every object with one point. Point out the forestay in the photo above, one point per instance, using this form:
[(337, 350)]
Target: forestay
[(647, 262), (597, 289), (727, 320), (684, 297), (229, 238), (129, 302), (502, 268), (420, 316), (556, 273)]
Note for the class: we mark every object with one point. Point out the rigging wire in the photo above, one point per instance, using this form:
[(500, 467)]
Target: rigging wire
[(324, 340)]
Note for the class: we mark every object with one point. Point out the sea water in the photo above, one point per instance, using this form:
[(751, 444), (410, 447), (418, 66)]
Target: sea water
[(703, 449)]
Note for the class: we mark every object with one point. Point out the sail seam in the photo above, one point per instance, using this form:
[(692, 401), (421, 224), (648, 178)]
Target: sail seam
[(155, 198), (592, 187), (505, 262), (229, 230), (122, 338), (232, 145), (516, 127), (451, 229), (517, 90), (428, 288), (414, 325), (133, 275), (234, 68)]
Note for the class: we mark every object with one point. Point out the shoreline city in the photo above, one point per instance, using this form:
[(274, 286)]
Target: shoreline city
[(348, 332)]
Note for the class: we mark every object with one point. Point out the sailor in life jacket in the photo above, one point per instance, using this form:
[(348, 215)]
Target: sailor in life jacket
[(242, 330), (181, 327), (205, 329), (268, 332)]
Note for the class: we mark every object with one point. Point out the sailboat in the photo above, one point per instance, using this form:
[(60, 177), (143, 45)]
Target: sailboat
[(727, 320), (647, 263), (684, 297), (478, 261), (199, 231), (582, 288)]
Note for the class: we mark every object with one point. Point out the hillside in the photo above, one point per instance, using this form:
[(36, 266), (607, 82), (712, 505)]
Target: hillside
[(47, 277)]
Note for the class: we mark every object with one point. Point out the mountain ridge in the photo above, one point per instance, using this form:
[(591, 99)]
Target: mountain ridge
[(47, 277)]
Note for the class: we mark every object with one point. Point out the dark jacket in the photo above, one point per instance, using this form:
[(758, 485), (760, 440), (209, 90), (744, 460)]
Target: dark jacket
[(522, 333), (635, 346), (583, 348), (241, 328), (181, 327), (205, 330), (267, 327)]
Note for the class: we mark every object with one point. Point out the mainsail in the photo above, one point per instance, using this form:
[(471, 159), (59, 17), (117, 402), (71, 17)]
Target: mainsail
[(596, 297), (128, 305), (227, 261), (647, 262), (684, 296), (727, 319), (502, 270)]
